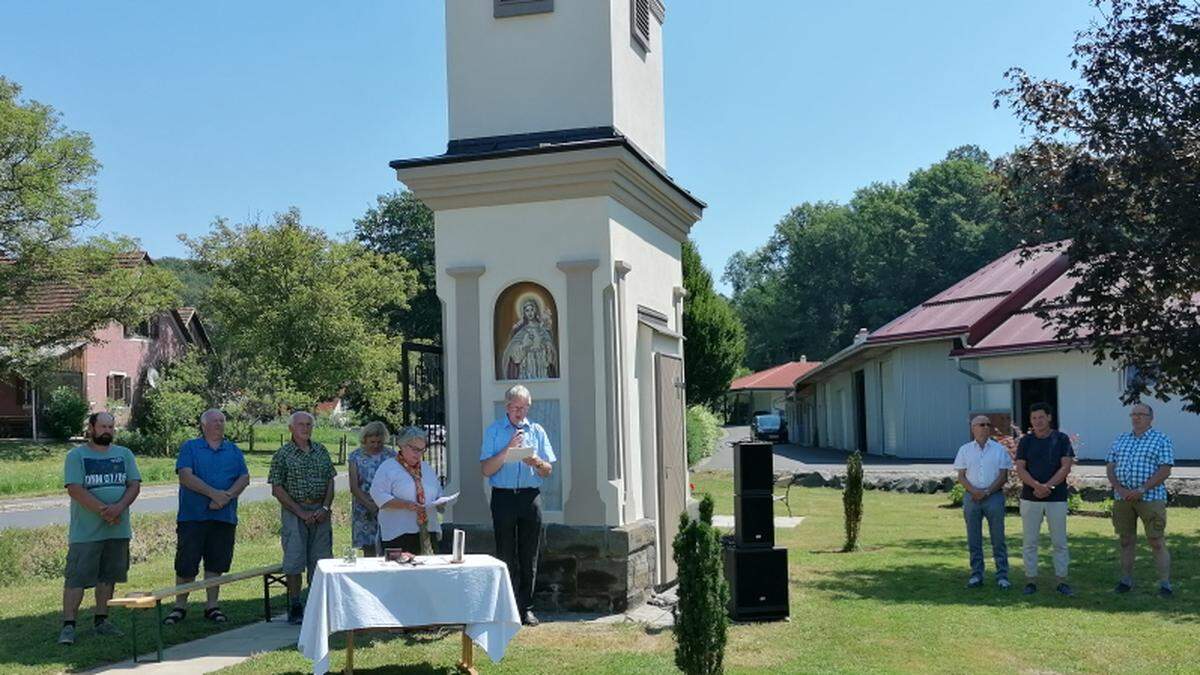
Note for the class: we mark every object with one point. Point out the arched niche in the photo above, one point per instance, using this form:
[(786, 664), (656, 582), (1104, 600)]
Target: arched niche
[(525, 329)]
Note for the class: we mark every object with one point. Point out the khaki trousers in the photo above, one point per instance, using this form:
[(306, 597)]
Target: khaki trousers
[(1055, 515)]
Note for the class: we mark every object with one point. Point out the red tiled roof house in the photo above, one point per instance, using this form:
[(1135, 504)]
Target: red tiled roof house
[(116, 365)]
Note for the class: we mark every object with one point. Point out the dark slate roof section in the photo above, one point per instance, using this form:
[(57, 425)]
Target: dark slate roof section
[(542, 142)]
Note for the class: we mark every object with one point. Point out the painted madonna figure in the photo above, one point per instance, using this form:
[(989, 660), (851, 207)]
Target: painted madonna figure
[(530, 353)]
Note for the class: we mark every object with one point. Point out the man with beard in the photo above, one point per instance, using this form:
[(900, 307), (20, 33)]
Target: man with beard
[(102, 480)]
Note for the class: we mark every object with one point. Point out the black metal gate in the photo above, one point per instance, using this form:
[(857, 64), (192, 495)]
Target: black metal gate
[(425, 399)]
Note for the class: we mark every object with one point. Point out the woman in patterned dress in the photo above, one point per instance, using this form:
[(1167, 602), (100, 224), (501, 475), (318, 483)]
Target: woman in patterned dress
[(363, 463)]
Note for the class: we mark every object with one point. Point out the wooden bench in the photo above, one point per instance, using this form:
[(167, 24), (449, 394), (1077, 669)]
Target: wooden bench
[(271, 575)]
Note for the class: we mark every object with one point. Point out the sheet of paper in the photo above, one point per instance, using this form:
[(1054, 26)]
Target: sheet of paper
[(445, 501), (518, 454)]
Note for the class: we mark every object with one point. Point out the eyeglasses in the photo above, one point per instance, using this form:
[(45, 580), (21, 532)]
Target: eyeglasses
[(419, 451), (983, 424), (1139, 414)]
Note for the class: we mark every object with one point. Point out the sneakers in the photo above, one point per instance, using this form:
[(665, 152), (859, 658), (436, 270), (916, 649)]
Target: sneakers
[(974, 582), (296, 614), (528, 619), (108, 628), (1122, 587), (1065, 589), (1030, 588), (1004, 584), (1164, 591), (66, 636)]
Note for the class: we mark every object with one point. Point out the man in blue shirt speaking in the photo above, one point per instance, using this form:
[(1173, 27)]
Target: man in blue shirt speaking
[(516, 457), (212, 473)]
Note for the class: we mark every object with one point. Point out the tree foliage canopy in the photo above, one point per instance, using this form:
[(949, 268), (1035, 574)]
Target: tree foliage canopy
[(46, 194), (830, 269), (401, 224), (716, 339), (304, 310), (1114, 165)]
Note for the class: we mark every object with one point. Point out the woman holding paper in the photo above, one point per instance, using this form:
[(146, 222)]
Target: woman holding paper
[(405, 489)]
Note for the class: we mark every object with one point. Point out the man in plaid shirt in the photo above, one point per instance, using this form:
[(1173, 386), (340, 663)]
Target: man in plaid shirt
[(301, 478), (1138, 463)]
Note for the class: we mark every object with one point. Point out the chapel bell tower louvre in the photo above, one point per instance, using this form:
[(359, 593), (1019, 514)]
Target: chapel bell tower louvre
[(557, 239)]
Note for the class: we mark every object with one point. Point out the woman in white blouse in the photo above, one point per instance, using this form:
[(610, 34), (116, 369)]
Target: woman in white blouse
[(404, 489)]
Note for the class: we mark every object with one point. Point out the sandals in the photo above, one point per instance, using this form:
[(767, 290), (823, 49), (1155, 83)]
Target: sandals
[(176, 615), (215, 615)]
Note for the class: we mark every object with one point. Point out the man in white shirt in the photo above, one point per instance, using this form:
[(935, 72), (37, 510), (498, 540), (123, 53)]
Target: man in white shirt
[(983, 466)]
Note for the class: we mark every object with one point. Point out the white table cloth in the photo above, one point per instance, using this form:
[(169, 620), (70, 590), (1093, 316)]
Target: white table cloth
[(373, 593)]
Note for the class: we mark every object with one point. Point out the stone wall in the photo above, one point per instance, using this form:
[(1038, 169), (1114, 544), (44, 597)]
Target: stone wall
[(1180, 491), (586, 568)]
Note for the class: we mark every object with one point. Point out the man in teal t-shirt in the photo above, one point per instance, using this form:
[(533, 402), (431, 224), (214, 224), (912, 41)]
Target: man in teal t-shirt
[(102, 480)]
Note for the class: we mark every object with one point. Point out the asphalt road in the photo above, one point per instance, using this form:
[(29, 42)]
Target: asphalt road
[(39, 511), (799, 459)]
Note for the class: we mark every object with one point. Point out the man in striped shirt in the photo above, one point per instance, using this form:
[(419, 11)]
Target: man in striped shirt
[(1138, 464)]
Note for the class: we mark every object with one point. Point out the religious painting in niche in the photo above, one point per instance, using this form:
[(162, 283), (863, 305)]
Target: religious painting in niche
[(526, 335)]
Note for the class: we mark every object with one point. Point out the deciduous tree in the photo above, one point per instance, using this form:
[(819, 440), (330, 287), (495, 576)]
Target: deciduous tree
[(1114, 165)]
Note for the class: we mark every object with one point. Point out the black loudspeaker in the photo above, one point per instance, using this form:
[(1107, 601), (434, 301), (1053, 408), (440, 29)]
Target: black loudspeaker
[(758, 583), (753, 468), (754, 520)]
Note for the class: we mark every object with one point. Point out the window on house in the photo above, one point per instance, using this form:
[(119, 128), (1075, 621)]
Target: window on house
[(119, 388), (991, 397), (640, 22), (503, 8)]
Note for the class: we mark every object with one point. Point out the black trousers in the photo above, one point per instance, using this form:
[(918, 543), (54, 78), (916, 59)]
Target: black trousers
[(517, 523)]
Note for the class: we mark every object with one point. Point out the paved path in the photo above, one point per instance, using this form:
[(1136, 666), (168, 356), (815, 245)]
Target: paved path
[(796, 459), (232, 647), (39, 511)]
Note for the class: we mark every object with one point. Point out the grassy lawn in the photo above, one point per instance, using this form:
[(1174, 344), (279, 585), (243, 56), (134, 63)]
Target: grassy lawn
[(33, 469), (897, 605)]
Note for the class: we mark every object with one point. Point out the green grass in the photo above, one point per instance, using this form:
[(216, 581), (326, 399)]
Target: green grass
[(896, 605), (35, 469), (30, 610)]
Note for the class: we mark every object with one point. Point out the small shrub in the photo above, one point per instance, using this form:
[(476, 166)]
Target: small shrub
[(852, 502), (703, 431), (1074, 503), (701, 623), (65, 412), (957, 494), (1106, 506)]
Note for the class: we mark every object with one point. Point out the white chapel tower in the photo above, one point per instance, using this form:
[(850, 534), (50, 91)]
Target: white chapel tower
[(557, 236)]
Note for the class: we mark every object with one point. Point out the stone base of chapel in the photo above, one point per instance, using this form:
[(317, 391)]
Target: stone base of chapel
[(584, 568)]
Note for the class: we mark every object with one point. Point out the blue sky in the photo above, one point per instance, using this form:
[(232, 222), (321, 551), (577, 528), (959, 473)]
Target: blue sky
[(242, 109)]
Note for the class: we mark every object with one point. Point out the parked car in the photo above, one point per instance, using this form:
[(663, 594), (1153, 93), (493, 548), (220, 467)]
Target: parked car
[(769, 427)]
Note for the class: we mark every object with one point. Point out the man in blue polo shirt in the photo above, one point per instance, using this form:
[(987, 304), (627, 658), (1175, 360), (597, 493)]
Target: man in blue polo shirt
[(212, 473), (516, 489)]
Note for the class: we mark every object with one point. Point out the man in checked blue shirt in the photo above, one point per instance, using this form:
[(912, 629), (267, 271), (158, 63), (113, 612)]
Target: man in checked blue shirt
[(1138, 464), (516, 489)]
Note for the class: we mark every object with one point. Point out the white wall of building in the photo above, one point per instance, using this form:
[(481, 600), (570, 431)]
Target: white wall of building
[(1089, 401), (520, 242), (523, 74), (574, 67), (638, 84), (916, 403), (654, 259)]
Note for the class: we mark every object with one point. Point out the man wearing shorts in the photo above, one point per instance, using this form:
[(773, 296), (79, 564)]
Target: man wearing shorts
[(212, 473), (1138, 464), (102, 480), (301, 478)]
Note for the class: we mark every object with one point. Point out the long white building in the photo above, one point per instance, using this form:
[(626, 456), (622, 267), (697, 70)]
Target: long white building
[(910, 388)]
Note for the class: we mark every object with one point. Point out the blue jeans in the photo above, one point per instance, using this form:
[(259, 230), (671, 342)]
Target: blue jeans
[(991, 508)]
